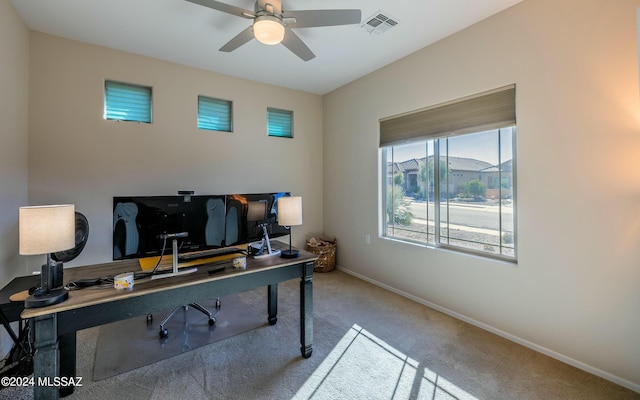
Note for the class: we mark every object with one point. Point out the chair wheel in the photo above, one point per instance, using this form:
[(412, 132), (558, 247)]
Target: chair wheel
[(164, 333), (218, 304), (212, 321), (149, 319)]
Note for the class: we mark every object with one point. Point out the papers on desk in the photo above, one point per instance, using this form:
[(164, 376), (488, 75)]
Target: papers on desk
[(149, 263)]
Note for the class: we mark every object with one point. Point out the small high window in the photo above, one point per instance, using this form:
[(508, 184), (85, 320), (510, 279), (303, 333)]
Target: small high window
[(279, 122), (127, 102), (214, 114)]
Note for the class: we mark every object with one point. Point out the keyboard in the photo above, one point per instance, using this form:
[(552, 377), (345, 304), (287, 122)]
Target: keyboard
[(198, 255)]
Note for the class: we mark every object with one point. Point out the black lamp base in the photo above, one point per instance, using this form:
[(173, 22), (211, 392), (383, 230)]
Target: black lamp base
[(54, 296), (290, 254)]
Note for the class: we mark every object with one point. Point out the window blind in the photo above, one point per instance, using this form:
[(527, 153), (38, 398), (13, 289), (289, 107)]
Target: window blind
[(279, 122), (484, 111), (127, 102), (214, 114)]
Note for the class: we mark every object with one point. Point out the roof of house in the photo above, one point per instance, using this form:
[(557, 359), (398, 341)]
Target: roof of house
[(467, 164), (410, 165), (506, 166), (455, 164)]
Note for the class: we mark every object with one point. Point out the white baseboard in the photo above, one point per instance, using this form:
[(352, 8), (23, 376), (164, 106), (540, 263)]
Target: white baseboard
[(558, 356)]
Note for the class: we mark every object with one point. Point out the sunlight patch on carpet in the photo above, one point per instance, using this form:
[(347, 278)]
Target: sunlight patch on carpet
[(364, 366)]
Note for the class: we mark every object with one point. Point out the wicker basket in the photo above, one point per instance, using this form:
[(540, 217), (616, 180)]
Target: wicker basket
[(326, 256)]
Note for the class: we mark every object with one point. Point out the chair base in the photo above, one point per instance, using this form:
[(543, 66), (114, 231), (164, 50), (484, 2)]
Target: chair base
[(164, 332)]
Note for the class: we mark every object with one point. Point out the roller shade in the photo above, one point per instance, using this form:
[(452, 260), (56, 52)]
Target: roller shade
[(127, 102), (484, 111), (214, 114), (279, 122)]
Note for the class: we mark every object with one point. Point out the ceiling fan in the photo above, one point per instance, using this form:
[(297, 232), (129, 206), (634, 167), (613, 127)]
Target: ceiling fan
[(271, 25)]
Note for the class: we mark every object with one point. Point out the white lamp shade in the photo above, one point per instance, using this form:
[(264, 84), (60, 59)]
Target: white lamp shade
[(47, 229), (290, 211), (268, 29)]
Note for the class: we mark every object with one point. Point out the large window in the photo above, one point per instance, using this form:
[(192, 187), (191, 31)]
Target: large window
[(127, 102), (453, 189)]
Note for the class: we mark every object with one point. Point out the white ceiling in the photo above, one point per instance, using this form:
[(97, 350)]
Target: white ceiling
[(190, 34)]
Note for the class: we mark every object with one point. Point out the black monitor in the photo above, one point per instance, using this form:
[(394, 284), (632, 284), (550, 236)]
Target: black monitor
[(139, 222), (211, 221), (248, 213)]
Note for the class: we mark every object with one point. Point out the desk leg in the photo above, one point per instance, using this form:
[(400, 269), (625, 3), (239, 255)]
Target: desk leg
[(306, 311), (46, 363), (67, 361), (272, 303)]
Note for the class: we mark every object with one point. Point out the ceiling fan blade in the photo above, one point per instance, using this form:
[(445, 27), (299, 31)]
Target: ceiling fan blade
[(313, 18), (216, 5), (240, 39), (292, 42)]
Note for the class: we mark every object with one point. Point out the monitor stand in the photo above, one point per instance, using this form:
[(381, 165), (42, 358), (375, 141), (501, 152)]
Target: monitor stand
[(260, 250), (175, 271)]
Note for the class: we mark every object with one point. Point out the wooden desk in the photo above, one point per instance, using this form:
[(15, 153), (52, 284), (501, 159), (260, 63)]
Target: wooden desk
[(54, 327)]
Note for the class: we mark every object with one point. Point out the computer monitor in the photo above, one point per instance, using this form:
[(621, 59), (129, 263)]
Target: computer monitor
[(211, 221), (249, 214), (140, 221)]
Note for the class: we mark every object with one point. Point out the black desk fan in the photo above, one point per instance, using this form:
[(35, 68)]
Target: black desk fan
[(82, 234)]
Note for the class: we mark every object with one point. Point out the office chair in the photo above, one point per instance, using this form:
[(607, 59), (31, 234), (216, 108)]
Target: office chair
[(164, 332)]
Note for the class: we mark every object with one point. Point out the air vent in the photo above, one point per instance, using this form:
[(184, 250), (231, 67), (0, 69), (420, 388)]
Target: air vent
[(379, 23)]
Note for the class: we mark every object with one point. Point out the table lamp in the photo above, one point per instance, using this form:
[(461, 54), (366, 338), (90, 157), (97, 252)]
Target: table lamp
[(290, 214), (46, 230)]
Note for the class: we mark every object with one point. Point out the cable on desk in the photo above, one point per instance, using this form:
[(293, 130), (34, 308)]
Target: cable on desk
[(108, 280)]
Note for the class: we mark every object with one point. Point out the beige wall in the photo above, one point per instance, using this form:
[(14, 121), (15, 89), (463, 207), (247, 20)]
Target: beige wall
[(76, 156), (574, 293), (14, 125)]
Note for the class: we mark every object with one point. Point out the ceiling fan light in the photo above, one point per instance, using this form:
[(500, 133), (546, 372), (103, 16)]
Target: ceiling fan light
[(268, 29)]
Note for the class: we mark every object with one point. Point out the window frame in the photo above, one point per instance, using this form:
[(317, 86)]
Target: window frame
[(437, 201), (221, 102), (281, 112), (108, 114)]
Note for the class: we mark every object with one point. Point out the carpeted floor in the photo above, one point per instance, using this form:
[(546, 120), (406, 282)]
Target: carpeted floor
[(368, 344)]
